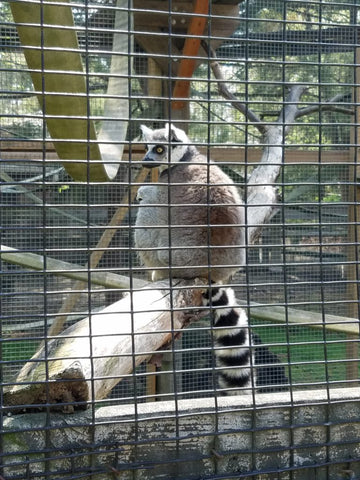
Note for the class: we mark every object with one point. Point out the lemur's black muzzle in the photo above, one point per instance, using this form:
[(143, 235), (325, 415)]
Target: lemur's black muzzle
[(149, 162)]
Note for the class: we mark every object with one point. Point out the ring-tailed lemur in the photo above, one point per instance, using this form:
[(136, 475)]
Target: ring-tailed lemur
[(191, 223), (233, 353), (242, 360), (195, 212)]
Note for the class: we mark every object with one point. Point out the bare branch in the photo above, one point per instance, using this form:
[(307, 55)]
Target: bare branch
[(329, 106), (261, 196), (225, 92), (261, 191), (290, 110)]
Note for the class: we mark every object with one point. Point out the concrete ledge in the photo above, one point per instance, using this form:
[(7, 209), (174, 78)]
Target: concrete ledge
[(315, 434)]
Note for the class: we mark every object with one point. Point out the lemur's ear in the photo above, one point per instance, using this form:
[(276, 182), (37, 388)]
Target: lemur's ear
[(174, 137), (173, 134), (146, 131)]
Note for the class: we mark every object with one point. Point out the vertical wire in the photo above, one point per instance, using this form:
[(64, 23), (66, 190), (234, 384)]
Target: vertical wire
[(283, 224), (214, 372), (170, 233), (92, 400), (319, 192), (246, 227), (354, 181), (1, 348), (44, 240), (208, 232), (2, 282), (130, 259), (355, 13), (282, 210), (208, 235), (319, 208)]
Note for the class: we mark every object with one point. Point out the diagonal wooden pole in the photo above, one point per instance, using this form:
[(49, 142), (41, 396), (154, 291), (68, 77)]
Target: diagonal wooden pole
[(97, 254)]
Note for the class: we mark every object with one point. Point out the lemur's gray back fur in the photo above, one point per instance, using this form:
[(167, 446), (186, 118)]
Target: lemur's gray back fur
[(202, 233)]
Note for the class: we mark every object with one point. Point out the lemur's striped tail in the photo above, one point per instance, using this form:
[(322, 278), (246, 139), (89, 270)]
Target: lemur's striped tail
[(234, 358)]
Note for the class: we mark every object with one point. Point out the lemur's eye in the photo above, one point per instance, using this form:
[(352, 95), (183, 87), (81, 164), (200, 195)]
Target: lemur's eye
[(159, 149)]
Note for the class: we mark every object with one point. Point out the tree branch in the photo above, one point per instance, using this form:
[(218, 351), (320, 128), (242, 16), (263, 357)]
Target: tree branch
[(329, 105), (290, 110), (225, 92), (261, 191)]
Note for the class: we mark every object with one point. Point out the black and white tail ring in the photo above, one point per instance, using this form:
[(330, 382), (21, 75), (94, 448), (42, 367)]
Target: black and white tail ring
[(233, 354)]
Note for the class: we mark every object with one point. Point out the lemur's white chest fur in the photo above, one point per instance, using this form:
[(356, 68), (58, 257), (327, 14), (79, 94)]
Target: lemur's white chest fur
[(191, 223)]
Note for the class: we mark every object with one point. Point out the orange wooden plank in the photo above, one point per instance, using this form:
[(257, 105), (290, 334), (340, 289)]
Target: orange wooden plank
[(191, 48)]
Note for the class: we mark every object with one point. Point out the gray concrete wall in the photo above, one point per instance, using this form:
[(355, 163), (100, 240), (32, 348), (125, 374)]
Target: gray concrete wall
[(309, 435)]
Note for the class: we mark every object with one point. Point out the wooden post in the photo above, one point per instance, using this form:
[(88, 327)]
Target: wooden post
[(353, 230), (171, 362), (352, 369)]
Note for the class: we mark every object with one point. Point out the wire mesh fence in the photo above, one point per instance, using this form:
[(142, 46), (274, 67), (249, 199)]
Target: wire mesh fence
[(269, 92)]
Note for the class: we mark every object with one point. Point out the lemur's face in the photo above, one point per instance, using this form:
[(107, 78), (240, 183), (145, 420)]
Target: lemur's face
[(163, 146)]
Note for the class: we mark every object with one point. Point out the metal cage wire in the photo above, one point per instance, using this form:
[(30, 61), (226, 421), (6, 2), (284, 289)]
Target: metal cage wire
[(77, 81)]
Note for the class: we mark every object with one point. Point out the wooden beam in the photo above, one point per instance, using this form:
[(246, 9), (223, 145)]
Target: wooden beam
[(50, 45), (190, 51), (279, 314), (11, 150), (253, 155), (157, 13), (272, 313), (229, 154), (160, 48), (151, 21)]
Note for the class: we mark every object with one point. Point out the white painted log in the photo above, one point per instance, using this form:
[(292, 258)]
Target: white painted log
[(89, 358), (114, 127)]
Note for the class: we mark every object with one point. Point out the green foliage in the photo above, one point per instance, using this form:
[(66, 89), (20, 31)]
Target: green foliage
[(310, 359)]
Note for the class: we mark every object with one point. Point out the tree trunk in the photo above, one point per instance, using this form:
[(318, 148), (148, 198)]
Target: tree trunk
[(89, 358), (261, 189)]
